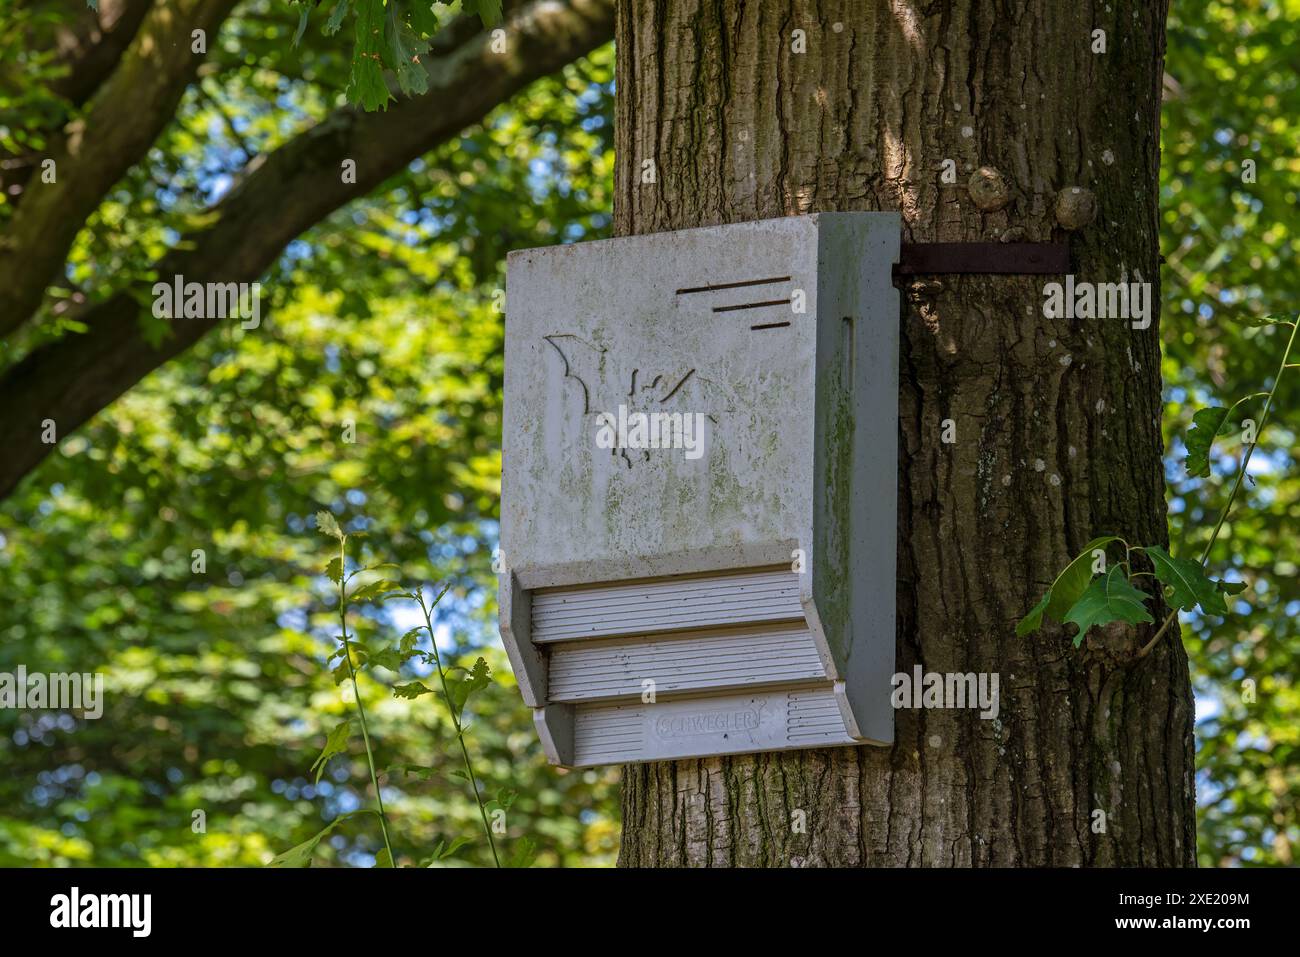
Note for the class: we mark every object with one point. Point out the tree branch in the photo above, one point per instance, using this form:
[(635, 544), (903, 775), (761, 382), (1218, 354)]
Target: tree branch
[(125, 117), (95, 42), (281, 194)]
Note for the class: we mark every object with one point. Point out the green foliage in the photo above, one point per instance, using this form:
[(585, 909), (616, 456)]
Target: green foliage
[(1189, 586), (1206, 424), (28, 70), (335, 743), (218, 692), (403, 52), (523, 854), (337, 740), (1234, 96), (456, 690), (327, 524), (367, 87), (1066, 590), (374, 590), (461, 684), (1111, 597), (300, 855), (390, 35), (458, 684), (489, 11)]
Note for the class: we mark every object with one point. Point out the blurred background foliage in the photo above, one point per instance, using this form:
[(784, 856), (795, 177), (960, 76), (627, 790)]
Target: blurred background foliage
[(386, 318), (1233, 94)]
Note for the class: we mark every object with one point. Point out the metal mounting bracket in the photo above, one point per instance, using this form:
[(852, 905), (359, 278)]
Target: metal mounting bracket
[(917, 259)]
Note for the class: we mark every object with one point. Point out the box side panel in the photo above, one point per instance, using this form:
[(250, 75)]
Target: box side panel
[(514, 616), (856, 460)]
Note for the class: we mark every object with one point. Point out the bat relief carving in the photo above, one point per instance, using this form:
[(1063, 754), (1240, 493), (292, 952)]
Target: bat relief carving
[(644, 409)]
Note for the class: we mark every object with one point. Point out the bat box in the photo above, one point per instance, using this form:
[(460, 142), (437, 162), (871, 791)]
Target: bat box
[(698, 491)]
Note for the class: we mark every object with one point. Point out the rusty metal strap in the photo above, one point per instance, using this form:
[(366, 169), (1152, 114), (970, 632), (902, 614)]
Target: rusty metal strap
[(918, 259)]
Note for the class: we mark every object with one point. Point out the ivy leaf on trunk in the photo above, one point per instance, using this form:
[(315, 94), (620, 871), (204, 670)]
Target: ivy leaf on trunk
[(1066, 590), (1188, 581), (1109, 598)]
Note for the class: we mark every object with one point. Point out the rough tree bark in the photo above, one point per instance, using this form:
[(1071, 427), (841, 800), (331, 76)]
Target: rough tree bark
[(1058, 421)]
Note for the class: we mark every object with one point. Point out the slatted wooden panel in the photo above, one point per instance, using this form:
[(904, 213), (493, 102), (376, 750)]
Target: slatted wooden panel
[(595, 670), (667, 604)]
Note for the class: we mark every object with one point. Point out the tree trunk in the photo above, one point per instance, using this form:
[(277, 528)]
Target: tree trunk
[(1057, 420)]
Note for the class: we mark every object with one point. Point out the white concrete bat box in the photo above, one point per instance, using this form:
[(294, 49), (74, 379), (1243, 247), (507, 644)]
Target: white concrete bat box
[(698, 491)]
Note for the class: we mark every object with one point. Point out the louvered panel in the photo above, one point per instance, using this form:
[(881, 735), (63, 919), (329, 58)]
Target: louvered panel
[(669, 604), (606, 733), (586, 671)]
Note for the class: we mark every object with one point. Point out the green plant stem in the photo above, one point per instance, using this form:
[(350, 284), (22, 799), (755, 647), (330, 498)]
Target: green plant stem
[(455, 720), (1236, 485), (356, 692)]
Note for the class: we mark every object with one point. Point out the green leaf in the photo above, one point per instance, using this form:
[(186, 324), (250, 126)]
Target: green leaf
[(1189, 584), (1270, 320), (374, 590), (411, 690), (460, 688), (336, 18), (1034, 620), (1230, 588), (302, 26), (443, 853), (522, 854), (334, 569), (384, 859), (423, 20), (1109, 598), (489, 11), (326, 523), (420, 771), (1206, 424), (367, 87), (1066, 590), (389, 658), (335, 743), (429, 861), (406, 644), (404, 49), (300, 854)]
